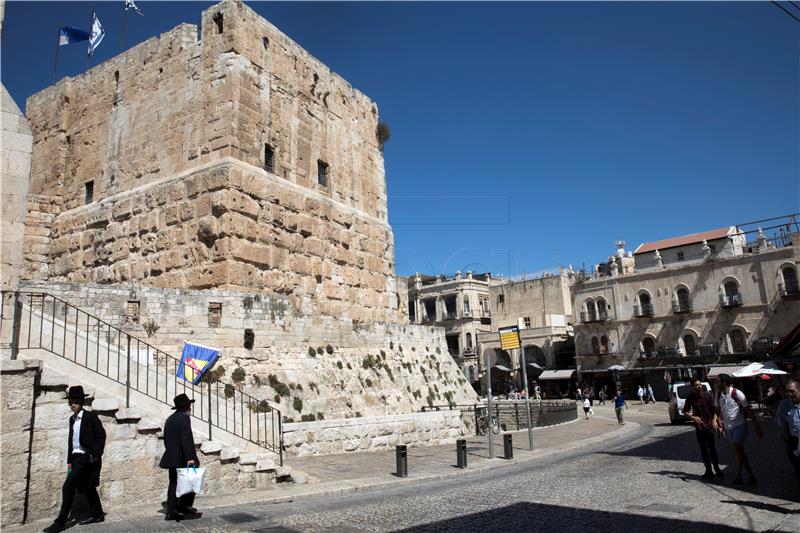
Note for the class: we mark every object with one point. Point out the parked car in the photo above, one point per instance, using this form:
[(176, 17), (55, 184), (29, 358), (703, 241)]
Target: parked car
[(678, 393)]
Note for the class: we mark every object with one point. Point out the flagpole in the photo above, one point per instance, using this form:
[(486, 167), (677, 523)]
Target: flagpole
[(58, 45), (91, 28)]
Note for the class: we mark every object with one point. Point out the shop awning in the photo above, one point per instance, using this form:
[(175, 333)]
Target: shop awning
[(724, 369), (557, 374), (503, 368)]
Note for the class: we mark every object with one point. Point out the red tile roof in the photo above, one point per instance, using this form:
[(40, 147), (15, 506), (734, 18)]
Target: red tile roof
[(672, 242)]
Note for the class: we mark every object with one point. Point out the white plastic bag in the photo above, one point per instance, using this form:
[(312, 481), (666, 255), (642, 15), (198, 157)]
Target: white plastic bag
[(189, 480)]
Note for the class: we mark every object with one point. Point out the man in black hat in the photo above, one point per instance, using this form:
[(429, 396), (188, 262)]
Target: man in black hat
[(87, 438), (180, 453)]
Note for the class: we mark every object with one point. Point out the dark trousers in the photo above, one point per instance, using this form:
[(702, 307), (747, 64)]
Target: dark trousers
[(707, 448), (791, 446), (173, 502), (80, 478)]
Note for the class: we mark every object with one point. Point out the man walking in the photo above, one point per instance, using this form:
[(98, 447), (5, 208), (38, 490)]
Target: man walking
[(731, 415), (787, 417), (85, 445), (619, 406), (650, 395), (699, 407), (179, 453), (640, 394)]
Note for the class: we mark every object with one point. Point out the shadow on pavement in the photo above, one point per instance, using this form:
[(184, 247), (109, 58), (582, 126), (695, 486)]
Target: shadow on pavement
[(763, 506), (542, 517)]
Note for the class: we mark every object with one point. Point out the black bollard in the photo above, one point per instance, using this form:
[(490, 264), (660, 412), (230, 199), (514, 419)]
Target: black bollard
[(508, 451), (461, 453), (401, 455)]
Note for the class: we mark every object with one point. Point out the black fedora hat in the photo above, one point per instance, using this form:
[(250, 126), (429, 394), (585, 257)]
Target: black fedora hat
[(182, 401), (76, 393)]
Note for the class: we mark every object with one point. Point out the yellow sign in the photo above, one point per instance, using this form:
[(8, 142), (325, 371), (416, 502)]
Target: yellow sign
[(509, 338)]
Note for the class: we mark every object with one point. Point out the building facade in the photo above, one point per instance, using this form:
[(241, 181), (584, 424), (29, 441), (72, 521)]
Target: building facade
[(687, 305), (461, 305)]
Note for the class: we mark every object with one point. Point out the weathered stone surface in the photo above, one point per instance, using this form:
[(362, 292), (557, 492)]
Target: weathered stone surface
[(283, 471), (248, 458), (300, 477), (265, 465), (211, 446), (229, 453), (128, 414), (53, 380), (105, 405), (148, 425)]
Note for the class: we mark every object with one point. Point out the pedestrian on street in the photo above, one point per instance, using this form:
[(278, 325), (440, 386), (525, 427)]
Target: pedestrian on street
[(640, 394), (699, 407), (732, 411), (619, 406), (650, 395), (179, 453), (85, 445), (537, 391), (787, 417), (586, 407)]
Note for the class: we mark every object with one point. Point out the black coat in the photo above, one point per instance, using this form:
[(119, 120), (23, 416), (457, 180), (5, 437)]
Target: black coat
[(178, 441), (92, 439)]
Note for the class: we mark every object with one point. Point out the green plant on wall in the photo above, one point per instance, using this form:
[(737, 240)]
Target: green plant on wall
[(312, 352), (238, 375), (297, 403), (329, 349)]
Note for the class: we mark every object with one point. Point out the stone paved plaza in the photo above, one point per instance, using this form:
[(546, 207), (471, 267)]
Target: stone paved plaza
[(582, 476)]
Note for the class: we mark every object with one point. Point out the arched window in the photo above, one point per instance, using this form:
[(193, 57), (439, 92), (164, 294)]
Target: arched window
[(732, 297), (731, 288), (603, 344), (466, 305), (595, 345), (648, 347), (689, 345), (790, 285), (645, 307), (469, 341), (602, 309), (738, 341), (683, 304), (591, 311)]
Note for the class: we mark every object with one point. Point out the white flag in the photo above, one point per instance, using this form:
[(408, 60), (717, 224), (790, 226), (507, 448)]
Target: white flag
[(130, 4), (97, 34)]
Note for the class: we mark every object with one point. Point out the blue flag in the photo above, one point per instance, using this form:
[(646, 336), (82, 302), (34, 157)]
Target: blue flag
[(195, 360), (97, 34), (69, 35)]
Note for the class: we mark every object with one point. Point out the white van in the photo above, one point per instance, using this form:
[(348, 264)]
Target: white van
[(677, 397)]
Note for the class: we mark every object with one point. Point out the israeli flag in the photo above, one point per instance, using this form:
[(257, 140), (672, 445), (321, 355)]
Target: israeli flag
[(97, 34), (195, 360), (69, 35)]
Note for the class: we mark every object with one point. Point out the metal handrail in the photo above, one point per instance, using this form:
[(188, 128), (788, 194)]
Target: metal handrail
[(221, 404)]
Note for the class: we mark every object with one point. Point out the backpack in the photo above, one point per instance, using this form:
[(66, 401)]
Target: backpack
[(735, 395)]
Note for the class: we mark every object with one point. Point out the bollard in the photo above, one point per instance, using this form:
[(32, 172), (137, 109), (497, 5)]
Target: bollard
[(401, 455), (461, 453), (508, 451)]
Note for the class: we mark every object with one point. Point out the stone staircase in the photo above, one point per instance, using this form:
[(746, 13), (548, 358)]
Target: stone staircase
[(133, 449)]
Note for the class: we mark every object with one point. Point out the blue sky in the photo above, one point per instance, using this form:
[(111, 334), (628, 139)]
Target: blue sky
[(527, 135)]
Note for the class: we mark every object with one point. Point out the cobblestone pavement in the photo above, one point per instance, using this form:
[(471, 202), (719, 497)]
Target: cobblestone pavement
[(584, 476)]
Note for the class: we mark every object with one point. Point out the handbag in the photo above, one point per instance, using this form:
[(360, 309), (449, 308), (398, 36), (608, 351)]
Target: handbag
[(190, 480)]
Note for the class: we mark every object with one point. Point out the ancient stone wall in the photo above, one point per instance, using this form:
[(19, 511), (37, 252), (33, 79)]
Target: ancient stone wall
[(17, 389), (15, 158), (311, 366)]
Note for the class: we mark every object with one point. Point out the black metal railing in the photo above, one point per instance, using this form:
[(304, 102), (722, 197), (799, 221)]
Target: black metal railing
[(43, 321), (681, 307), (643, 310), (730, 300), (789, 290)]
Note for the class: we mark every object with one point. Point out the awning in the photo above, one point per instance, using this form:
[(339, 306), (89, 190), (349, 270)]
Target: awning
[(556, 374), (724, 369), (534, 365), (788, 344), (503, 368)]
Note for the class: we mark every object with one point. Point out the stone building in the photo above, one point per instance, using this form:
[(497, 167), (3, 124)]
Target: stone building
[(542, 310), (460, 305), (721, 296)]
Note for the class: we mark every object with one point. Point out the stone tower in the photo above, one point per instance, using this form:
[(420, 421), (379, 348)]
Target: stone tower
[(228, 159)]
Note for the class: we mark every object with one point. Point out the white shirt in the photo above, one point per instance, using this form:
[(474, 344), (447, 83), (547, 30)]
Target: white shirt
[(76, 433), (587, 403), (731, 414)]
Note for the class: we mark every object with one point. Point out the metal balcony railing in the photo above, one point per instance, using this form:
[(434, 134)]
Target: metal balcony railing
[(643, 310), (450, 315), (45, 322), (788, 291), (730, 300), (681, 307), (466, 313)]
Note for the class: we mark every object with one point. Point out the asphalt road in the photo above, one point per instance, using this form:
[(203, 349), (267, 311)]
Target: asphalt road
[(648, 481)]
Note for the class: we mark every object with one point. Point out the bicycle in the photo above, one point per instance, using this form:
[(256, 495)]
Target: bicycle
[(482, 423)]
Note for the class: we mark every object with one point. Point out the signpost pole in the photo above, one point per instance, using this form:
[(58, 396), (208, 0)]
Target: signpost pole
[(527, 398), (489, 424)]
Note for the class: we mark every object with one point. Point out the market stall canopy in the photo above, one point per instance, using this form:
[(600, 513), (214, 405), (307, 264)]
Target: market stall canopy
[(534, 365), (756, 369), (724, 369), (616, 367), (503, 368), (557, 374), (788, 344)]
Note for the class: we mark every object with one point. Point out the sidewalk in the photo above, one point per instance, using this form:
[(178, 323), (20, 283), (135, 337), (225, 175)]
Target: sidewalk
[(342, 473)]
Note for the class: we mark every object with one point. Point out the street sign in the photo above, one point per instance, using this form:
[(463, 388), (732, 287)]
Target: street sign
[(509, 338)]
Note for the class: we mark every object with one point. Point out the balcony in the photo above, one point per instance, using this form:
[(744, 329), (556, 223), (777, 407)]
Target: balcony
[(727, 301), (466, 313), (643, 310), (469, 350), (647, 354), (681, 307), (451, 315), (788, 292), (588, 318), (487, 313)]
